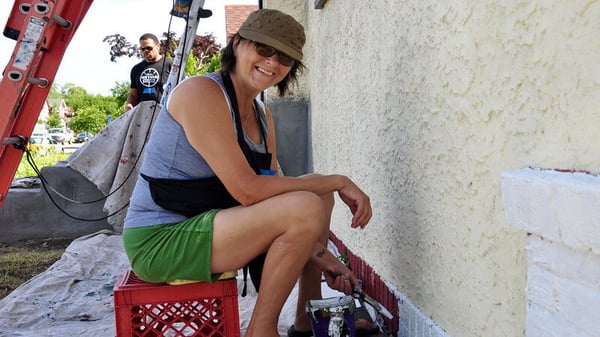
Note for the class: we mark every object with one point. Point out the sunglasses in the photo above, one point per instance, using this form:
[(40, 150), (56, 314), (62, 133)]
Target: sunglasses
[(268, 51), (147, 48)]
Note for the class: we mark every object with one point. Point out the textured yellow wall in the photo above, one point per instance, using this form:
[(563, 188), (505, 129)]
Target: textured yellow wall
[(425, 103)]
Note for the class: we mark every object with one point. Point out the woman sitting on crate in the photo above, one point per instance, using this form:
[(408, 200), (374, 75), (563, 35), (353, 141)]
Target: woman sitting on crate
[(209, 199)]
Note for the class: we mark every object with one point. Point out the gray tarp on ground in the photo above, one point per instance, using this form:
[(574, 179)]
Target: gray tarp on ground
[(74, 296), (71, 298)]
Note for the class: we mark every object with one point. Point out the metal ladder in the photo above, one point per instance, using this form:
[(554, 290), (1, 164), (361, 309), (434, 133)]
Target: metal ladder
[(43, 30)]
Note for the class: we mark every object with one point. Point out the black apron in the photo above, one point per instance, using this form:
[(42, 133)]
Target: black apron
[(196, 196)]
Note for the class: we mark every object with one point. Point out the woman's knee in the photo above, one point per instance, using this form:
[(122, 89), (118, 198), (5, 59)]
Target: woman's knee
[(308, 207), (308, 199)]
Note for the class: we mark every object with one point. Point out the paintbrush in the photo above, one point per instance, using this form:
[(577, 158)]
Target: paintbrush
[(361, 294)]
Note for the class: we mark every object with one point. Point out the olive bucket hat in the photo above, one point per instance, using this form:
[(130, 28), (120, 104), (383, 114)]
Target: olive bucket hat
[(275, 29)]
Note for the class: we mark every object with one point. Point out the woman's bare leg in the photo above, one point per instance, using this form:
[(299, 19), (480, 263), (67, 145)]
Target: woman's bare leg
[(287, 227), (309, 286)]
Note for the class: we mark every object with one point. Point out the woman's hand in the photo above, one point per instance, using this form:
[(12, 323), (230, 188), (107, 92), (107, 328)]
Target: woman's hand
[(340, 278), (358, 202)]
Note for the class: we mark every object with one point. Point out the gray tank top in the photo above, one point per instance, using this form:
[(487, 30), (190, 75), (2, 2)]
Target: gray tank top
[(169, 155)]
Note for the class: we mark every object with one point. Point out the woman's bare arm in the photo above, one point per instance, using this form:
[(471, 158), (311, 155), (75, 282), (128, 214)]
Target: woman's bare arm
[(206, 120)]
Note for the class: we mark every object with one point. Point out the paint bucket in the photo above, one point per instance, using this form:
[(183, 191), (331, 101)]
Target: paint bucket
[(332, 317)]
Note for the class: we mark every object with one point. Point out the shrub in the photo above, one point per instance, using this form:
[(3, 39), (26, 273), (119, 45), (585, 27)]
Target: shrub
[(25, 169)]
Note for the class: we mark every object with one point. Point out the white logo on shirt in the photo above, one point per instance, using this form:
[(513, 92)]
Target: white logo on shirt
[(149, 77)]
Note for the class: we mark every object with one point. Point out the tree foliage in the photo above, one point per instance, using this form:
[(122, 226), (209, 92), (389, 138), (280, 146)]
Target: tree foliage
[(119, 46), (205, 47), (194, 67), (89, 118), (119, 92), (91, 112), (168, 44), (54, 121), (205, 55)]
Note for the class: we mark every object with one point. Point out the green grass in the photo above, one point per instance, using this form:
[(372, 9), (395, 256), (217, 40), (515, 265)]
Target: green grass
[(25, 170), (20, 264), (20, 261)]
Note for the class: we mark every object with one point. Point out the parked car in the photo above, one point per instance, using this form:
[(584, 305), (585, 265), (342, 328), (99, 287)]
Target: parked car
[(83, 137), (61, 135), (45, 145)]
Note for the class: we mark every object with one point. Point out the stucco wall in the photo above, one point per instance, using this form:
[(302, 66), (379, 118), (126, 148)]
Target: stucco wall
[(425, 103)]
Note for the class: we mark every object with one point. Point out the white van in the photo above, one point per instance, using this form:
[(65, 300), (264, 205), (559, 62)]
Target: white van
[(61, 135)]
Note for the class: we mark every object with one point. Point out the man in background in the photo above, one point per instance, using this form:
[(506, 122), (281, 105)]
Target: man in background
[(149, 76)]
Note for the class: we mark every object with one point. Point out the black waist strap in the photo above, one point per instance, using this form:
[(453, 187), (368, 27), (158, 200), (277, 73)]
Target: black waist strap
[(190, 197)]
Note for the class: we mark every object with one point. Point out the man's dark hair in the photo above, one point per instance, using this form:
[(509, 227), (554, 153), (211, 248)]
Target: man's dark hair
[(228, 65), (149, 36)]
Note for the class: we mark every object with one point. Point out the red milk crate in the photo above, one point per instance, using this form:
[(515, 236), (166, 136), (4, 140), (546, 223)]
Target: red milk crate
[(200, 309)]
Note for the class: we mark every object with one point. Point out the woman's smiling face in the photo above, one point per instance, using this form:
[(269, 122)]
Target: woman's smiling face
[(263, 72)]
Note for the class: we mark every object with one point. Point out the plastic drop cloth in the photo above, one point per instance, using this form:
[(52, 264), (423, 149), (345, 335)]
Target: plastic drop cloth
[(111, 160), (74, 297)]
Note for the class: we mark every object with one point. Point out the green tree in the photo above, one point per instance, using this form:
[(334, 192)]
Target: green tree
[(67, 87), (168, 45), (205, 47), (195, 67), (205, 55), (89, 119), (54, 121), (76, 97), (91, 111), (119, 91)]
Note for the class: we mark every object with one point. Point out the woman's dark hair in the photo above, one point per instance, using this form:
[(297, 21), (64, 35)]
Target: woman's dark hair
[(228, 65)]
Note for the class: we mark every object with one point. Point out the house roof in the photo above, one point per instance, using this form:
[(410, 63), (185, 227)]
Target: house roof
[(235, 15)]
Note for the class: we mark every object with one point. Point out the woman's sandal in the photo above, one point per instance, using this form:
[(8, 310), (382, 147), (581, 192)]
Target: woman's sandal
[(292, 332), (364, 323)]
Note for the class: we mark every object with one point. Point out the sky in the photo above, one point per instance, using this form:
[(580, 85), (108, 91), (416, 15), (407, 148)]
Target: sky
[(86, 61)]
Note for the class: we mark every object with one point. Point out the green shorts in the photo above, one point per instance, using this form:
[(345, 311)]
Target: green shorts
[(169, 252)]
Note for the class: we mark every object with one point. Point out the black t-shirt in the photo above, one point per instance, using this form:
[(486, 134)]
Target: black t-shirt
[(147, 79)]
